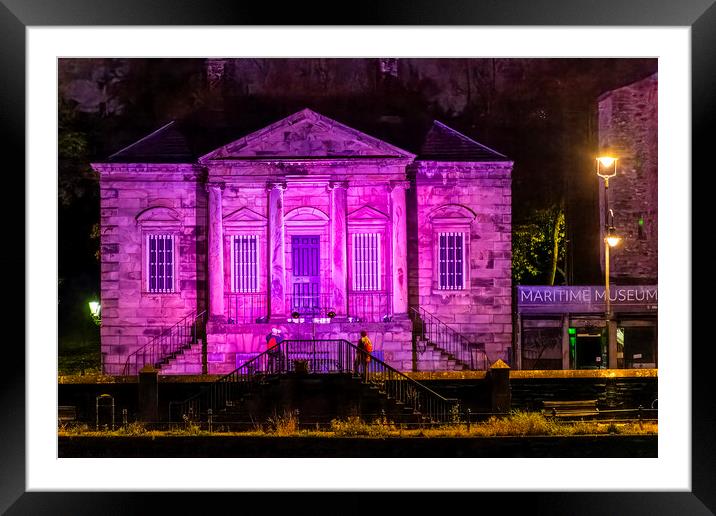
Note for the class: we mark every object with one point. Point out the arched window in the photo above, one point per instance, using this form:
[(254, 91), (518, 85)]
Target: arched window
[(451, 241)]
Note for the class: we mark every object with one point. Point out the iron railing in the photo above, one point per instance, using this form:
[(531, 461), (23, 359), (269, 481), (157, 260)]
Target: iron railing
[(168, 344), (246, 307), (324, 357), (370, 306), (362, 306), (431, 329)]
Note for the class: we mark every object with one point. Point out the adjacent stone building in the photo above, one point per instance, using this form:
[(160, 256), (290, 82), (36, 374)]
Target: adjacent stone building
[(628, 129), (566, 327), (310, 226)]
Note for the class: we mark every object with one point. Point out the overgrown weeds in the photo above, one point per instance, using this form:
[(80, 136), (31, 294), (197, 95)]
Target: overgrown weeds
[(284, 424), (287, 424)]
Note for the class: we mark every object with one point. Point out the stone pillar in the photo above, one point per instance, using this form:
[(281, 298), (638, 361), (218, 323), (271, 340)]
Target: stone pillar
[(499, 381), (566, 363), (612, 344), (399, 235), (216, 252), (339, 245), (276, 250), (148, 394)]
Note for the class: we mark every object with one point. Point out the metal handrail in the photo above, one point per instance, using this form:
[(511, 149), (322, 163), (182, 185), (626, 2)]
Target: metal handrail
[(246, 307), (446, 339), (167, 344), (321, 356)]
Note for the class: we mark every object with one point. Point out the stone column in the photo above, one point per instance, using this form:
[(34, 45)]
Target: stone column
[(399, 235), (276, 250), (339, 245), (216, 252)]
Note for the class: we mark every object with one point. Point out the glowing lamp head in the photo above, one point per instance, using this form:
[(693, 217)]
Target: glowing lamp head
[(295, 314), (95, 308), (606, 166), (612, 239), (331, 314), (606, 161)]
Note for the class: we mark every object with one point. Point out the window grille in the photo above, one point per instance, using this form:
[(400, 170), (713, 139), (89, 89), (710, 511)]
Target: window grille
[(161, 263), (245, 260), (366, 261), (451, 260)]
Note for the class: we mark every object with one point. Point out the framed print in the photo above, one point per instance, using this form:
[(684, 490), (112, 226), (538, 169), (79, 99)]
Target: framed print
[(341, 260)]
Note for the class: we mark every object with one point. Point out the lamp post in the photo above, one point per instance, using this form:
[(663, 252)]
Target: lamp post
[(606, 169)]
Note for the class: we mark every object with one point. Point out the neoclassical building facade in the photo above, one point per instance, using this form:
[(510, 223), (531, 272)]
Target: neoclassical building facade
[(313, 227)]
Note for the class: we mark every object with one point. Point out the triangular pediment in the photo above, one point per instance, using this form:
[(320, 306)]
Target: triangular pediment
[(306, 135), (244, 215), (366, 213)]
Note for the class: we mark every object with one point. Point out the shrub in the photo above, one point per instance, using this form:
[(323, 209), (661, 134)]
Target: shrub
[(285, 424), (354, 426), (73, 428), (519, 423), (135, 428)]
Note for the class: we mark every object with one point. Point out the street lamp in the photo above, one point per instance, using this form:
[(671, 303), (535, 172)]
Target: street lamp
[(95, 309), (606, 169)]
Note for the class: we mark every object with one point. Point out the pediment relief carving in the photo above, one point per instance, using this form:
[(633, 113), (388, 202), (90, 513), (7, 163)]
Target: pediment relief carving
[(306, 134)]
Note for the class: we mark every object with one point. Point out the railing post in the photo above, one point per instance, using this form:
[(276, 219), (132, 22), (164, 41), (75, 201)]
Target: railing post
[(124, 418), (468, 419), (210, 417), (639, 415)]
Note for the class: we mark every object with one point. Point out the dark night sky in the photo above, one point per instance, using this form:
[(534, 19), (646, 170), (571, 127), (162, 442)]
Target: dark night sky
[(541, 113)]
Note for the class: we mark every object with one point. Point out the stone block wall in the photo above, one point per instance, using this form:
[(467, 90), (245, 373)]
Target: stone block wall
[(136, 200), (475, 199), (628, 128)]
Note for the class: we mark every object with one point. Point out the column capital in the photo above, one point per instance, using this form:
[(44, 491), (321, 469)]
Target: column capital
[(333, 185), (402, 183), (276, 185), (215, 184)]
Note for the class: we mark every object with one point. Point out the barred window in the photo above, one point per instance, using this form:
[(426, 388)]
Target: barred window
[(366, 261), (245, 263), (160, 263), (451, 260)]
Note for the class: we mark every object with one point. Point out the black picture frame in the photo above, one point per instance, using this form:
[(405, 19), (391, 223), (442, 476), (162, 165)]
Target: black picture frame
[(17, 15)]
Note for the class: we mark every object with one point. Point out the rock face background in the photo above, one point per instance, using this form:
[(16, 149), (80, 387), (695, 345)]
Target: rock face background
[(541, 113)]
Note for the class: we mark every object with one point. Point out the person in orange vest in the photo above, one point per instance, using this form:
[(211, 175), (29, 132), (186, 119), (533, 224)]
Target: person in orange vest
[(365, 347)]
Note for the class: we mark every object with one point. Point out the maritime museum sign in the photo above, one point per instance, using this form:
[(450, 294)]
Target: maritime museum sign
[(632, 298)]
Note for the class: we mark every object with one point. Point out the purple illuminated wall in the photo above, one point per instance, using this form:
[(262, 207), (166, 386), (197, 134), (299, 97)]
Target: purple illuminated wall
[(305, 175)]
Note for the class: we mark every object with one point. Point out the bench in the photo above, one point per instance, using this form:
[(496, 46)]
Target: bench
[(66, 414), (570, 409)]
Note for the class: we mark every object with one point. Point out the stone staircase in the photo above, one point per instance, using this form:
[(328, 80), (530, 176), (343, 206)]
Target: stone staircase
[(429, 357), (440, 348), (188, 360), (436, 359)]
